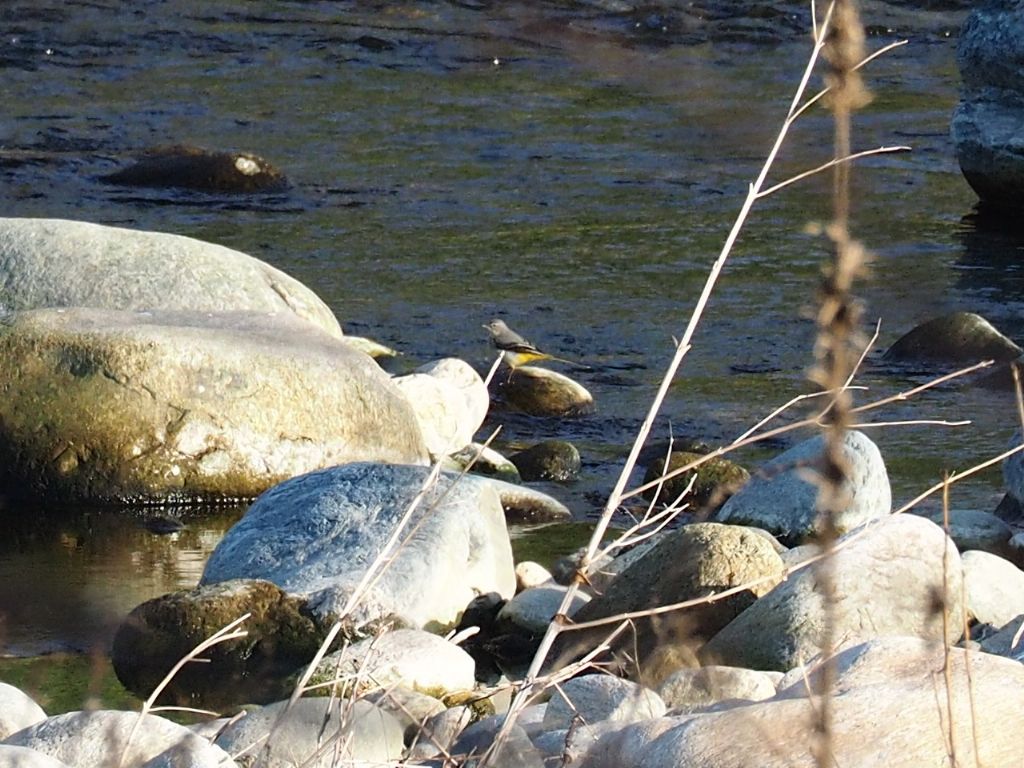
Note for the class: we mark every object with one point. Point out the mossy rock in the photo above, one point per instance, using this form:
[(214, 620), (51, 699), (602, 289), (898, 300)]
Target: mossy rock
[(555, 460), (956, 338), (281, 635), (717, 479), (541, 392)]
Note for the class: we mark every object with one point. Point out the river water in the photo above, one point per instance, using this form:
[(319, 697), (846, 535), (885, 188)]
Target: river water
[(571, 167)]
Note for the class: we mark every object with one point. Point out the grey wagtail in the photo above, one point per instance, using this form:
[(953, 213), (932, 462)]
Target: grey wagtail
[(515, 349)]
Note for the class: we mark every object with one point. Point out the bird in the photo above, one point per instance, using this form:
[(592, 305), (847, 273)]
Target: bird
[(515, 349)]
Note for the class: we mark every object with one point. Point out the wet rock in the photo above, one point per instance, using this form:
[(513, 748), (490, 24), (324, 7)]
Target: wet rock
[(101, 406), (894, 578), (958, 338), (696, 561), (17, 711), (202, 170), (880, 683), (717, 480), (1001, 642), (315, 535), (1013, 470), (87, 738), (994, 586), (541, 392), (282, 635), (482, 460), (986, 123), (450, 401), (601, 698), (531, 610), (691, 690), (782, 499), (60, 263), (974, 529), (555, 460), (354, 732), (527, 505), (409, 658)]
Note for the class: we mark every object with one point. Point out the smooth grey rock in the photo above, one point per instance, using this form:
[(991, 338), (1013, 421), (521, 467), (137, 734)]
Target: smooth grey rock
[(412, 708), (892, 680), (957, 338), (888, 577), (315, 535), (986, 123), (696, 561), (450, 402), (439, 733), (597, 698), (100, 739), (360, 731), (102, 406), (782, 499), (541, 392), (518, 751), (17, 710), (974, 529), (61, 263), (528, 505), (23, 757), (994, 586), (1001, 642), (532, 610), (410, 658), (691, 690)]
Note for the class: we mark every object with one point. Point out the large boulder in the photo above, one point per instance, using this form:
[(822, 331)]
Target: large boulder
[(893, 577), (596, 698), (108, 739), (541, 392), (782, 497), (994, 587), (890, 706), (60, 263), (102, 405), (986, 125), (17, 710), (958, 338), (696, 561), (316, 535)]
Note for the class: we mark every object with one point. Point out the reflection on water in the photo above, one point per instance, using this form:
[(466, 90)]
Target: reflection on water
[(571, 167), (68, 577)]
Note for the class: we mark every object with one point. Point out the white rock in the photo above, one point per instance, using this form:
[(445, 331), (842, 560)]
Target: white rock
[(409, 658), (100, 739), (690, 690), (995, 588), (597, 698), (363, 734), (450, 402), (531, 574), (782, 496), (532, 610), (23, 757), (17, 710)]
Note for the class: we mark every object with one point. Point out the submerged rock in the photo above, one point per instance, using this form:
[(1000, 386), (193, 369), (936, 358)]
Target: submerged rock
[(782, 498), (202, 170), (316, 535), (107, 406), (60, 263), (542, 392), (956, 338)]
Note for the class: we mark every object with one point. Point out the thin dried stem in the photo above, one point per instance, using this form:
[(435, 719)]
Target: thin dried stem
[(832, 164)]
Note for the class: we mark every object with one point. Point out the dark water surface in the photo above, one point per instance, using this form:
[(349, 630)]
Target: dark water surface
[(569, 167)]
